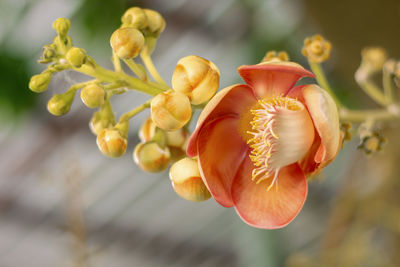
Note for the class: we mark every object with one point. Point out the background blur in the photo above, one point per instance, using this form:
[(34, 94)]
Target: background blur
[(62, 203)]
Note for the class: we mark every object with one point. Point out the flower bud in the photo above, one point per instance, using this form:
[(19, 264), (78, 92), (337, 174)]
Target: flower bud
[(186, 180), (92, 95), (151, 156), (372, 143), (76, 57), (373, 58), (102, 119), (316, 49), (170, 110), (40, 82), (275, 57), (155, 22), (177, 138), (127, 42), (134, 17), (49, 54), (197, 78), (60, 104), (147, 130), (112, 142), (61, 26)]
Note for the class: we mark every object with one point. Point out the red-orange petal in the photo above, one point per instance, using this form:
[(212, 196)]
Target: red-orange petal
[(221, 151), (269, 209), (232, 100), (272, 79)]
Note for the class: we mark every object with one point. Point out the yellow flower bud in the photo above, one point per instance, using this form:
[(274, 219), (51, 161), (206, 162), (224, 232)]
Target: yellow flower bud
[(40, 82), (112, 142), (316, 49), (60, 104), (186, 180), (76, 57), (275, 57), (147, 130), (170, 110), (134, 17), (92, 95), (61, 26), (155, 22), (102, 119), (197, 78), (177, 138), (151, 156), (127, 42), (373, 58)]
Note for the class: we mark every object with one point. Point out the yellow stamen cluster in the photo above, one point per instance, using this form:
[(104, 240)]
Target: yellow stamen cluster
[(316, 49), (265, 138)]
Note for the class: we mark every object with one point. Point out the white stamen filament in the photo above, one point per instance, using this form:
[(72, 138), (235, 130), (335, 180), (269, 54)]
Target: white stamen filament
[(282, 132)]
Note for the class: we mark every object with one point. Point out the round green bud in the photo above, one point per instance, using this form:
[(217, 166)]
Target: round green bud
[(40, 82), (76, 57), (92, 95), (155, 22), (60, 104), (134, 17), (127, 42), (61, 25)]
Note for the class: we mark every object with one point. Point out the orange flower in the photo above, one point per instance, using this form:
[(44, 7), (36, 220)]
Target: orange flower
[(257, 142)]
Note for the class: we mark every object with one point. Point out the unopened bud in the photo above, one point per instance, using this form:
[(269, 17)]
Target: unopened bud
[(155, 22), (92, 95), (186, 180), (373, 58), (60, 104), (147, 130), (177, 138), (102, 119), (275, 57), (127, 42), (76, 56), (61, 26), (40, 82), (197, 78), (151, 156), (316, 49), (170, 110), (112, 142), (134, 17)]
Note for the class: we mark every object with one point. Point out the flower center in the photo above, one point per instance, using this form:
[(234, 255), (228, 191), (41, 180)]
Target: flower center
[(282, 133)]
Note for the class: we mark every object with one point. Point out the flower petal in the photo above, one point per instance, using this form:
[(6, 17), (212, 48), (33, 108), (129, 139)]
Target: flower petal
[(272, 79), (269, 209), (221, 151), (231, 100), (325, 115)]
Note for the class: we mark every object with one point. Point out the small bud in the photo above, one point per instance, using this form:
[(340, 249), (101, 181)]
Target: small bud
[(186, 180), (60, 104), (170, 110), (48, 55), (155, 22), (112, 142), (151, 156), (134, 17), (345, 132), (127, 42), (147, 130), (372, 143), (102, 119), (197, 78), (76, 57), (316, 49), (275, 57), (40, 82), (92, 95), (372, 59), (177, 138), (61, 26)]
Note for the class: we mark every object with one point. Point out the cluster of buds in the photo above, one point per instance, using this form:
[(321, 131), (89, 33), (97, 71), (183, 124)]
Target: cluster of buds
[(316, 49), (273, 56), (371, 140)]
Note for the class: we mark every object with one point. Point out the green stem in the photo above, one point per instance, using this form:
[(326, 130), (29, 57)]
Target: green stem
[(387, 85), (136, 69), (78, 86), (104, 75), (363, 115), (116, 63), (126, 116), (370, 88), (148, 62), (323, 82)]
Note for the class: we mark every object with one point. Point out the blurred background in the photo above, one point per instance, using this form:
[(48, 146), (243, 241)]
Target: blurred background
[(62, 203)]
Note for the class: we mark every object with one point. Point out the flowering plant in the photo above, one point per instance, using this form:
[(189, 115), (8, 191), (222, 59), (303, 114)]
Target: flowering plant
[(255, 144)]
